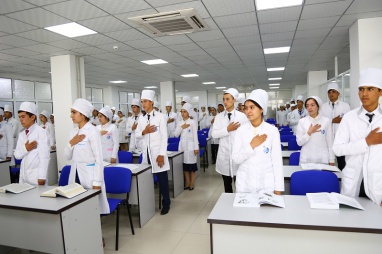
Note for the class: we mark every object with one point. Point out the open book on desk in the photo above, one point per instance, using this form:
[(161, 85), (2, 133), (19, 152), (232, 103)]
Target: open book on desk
[(255, 200), (319, 166), (325, 200), (68, 191), (16, 188)]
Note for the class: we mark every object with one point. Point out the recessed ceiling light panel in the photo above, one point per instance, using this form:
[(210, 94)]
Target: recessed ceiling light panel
[(276, 69), (71, 30), (117, 81), (189, 75), (151, 87), (275, 78), (154, 61), (209, 83), (272, 4), (276, 50)]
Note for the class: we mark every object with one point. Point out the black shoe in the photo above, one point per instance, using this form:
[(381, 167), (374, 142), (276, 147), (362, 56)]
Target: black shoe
[(191, 188), (186, 188), (164, 211)]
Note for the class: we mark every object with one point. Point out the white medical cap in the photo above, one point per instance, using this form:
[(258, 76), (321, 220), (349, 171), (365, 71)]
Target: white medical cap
[(148, 95), (112, 108), (122, 111), (169, 103), (7, 108), (260, 96), (136, 102), (233, 92), (300, 98), (188, 107), (319, 101), (186, 99), (292, 105), (45, 113), (29, 107), (333, 86), (371, 77), (1, 112), (106, 111), (83, 106), (156, 104)]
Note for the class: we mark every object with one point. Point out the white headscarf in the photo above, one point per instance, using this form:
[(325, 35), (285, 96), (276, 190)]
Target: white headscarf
[(300, 98), (319, 101), (83, 106), (169, 103)]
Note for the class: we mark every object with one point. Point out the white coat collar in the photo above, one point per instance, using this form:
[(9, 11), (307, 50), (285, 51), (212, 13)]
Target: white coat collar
[(30, 129), (86, 126)]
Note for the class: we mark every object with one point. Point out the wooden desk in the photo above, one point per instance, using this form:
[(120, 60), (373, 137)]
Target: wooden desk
[(5, 177), (51, 225), (294, 229)]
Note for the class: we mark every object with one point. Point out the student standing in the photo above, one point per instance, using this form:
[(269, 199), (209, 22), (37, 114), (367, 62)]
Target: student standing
[(203, 117), (152, 130), (131, 127), (214, 141), (359, 139), (123, 137), (257, 149), (189, 145), (335, 109), (45, 124), (6, 138), (171, 119), (8, 114), (85, 150), (314, 134), (109, 135), (224, 128), (32, 147), (297, 114), (281, 117)]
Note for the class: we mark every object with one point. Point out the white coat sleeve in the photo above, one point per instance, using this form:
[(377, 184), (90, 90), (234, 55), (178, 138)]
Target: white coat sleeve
[(278, 117), (129, 125), (302, 136), (242, 149), (342, 144), (51, 134), (115, 135), (20, 150), (195, 136), (43, 154), (329, 140), (294, 119), (219, 128), (96, 146), (163, 135), (140, 127), (68, 150), (178, 130), (277, 161), (208, 121), (9, 134)]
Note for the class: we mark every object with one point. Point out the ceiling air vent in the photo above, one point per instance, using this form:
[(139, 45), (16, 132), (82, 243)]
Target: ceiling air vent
[(174, 22)]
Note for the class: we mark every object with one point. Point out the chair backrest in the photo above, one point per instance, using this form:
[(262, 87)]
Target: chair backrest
[(282, 147), (117, 180), (64, 176), (173, 147), (293, 146), (173, 140), (140, 158), (312, 181), (125, 157), (294, 158), (285, 138), (206, 130), (202, 140)]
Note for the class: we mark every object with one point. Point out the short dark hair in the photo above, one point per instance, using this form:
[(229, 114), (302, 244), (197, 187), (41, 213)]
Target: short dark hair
[(310, 98), (28, 113), (257, 105)]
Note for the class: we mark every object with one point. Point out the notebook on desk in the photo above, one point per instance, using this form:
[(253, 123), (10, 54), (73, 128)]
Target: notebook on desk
[(16, 188)]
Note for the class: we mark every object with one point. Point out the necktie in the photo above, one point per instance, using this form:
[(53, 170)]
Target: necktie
[(229, 116), (168, 114), (333, 104), (370, 117), (148, 117), (136, 117), (26, 132)]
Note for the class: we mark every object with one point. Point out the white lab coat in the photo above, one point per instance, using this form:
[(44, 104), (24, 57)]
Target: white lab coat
[(122, 130), (94, 120), (295, 117), (48, 126), (87, 159), (109, 141), (281, 118), (135, 144), (213, 140), (34, 164), (361, 159), (188, 140), (224, 163), (316, 148), (340, 109), (15, 126), (171, 126), (154, 143), (6, 141), (203, 119), (260, 168)]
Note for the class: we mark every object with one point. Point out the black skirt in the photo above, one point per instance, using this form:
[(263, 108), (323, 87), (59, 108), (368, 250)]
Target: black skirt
[(190, 167)]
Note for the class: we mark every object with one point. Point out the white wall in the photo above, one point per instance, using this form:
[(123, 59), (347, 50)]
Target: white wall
[(300, 90), (314, 80)]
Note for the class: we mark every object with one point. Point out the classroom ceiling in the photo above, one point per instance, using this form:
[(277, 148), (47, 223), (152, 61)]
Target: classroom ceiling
[(230, 54)]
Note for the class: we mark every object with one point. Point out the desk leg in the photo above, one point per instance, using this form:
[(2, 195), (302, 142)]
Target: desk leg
[(177, 172), (5, 177), (146, 198)]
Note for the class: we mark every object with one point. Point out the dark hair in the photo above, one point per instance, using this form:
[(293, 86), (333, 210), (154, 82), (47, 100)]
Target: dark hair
[(256, 104), (310, 98), (28, 113)]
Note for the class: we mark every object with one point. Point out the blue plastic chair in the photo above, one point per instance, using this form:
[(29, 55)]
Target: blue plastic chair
[(203, 151), (140, 158), (294, 159), (173, 147), (64, 176), (312, 181), (282, 147), (173, 140), (125, 157), (15, 171), (293, 146), (118, 181), (286, 138)]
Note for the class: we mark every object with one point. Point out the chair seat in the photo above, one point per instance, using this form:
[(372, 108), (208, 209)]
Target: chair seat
[(201, 153), (15, 171), (113, 203)]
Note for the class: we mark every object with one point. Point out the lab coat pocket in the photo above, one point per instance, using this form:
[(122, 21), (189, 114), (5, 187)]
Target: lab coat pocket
[(87, 179), (190, 146), (377, 183)]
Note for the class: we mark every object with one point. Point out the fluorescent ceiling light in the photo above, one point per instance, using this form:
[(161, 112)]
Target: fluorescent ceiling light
[(274, 87), (274, 84), (271, 4), (189, 75), (221, 87), (154, 61), (71, 30), (276, 50), (276, 69), (151, 87), (209, 83), (118, 81), (275, 78)]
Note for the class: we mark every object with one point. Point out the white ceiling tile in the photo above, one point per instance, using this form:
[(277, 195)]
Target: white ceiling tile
[(88, 51), (42, 35), (184, 47), (214, 43), (275, 44), (277, 36), (127, 35), (237, 20), (197, 5), (110, 47), (312, 33), (105, 24), (10, 25), (44, 48), (115, 7), (193, 53), (68, 44), (325, 9), (173, 40), (348, 20), (308, 24), (220, 50), (339, 31), (95, 39), (3, 46), (365, 6), (244, 40), (8, 6), (106, 56), (158, 3), (144, 43), (4, 56), (206, 36), (229, 7), (43, 2), (21, 52), (16, 41), (252, 47), (279, 15), (39, 17), (271, 28), (307, 41), (240, 31), (129, 14)]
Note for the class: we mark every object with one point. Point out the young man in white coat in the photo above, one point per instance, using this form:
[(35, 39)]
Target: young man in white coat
[(152, 130), (297, 114), (6, 138), (131, 126), (224, 128), (335, 109), (8, 114), (33, 147), (359, 138), (171, 119)]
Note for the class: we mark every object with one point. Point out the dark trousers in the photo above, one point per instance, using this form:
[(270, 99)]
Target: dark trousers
[(341, 162), (214, 152), (228, 183), (164, 190), (362, 192)]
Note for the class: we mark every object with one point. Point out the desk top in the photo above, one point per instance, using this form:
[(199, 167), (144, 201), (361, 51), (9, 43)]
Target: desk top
[(289, 170), (4, 161), (31, 200), (286, 154), (136, 169), (171, 155), (298, 215)]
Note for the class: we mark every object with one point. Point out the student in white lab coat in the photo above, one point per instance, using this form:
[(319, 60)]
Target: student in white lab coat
[(131, 127), (314, 134), (257, 150), (8, 113), (94, 118), (214, 141), (156, 106), (45, 124), (152, 130), (6, 138), (121, 124), (32, 147), (109, 135), (359, 139), (292, 107), (189, 145), (224, 128), (171, 119), (84, 149), (335, 109), (203, 117), (52, 119), (281, 116), (297, 114), (115, 117)]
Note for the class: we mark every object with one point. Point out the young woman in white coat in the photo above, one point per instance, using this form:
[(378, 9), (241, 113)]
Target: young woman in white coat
[(214, 141), (6, 138), (49, 127), (131, 127), (109, 135), (84, 149), (189, 145), (257, 150), (314, 134), (123, 137)]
